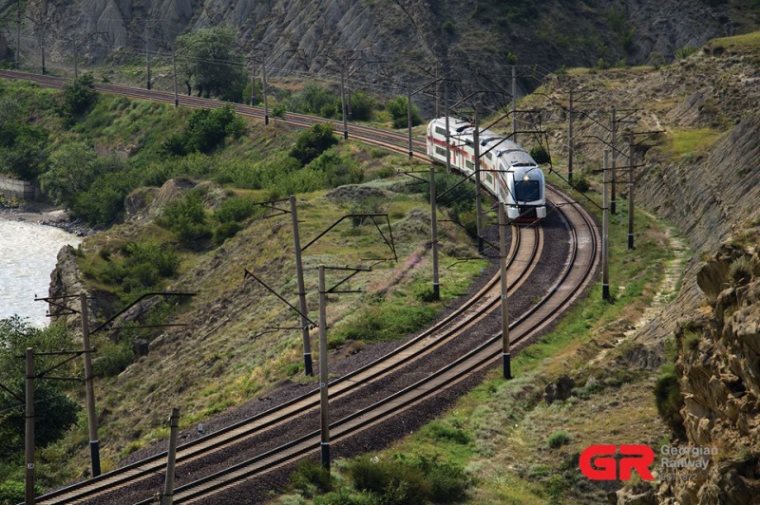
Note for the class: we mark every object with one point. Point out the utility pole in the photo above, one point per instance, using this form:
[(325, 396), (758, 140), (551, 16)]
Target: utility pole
[(446, 120), (76, 59), (437, 89), (147, 53), (324, 444), (302, 306), (167, 497), (434, 235), (630, 192), (514, 103), (264, 89), (174, 66), (18, 34), (570, 146), (29, 429), (92, 420), (613, 198), (409, 121), (505, 352), (605, 230), (478, 205), (253, 84), (343, 99)]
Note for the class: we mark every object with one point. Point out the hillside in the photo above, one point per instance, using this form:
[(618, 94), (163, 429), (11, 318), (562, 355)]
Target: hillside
[(477, 40)]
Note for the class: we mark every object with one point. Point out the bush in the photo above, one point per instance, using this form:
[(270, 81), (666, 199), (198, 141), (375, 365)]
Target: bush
[(112, 358), (397, 107), (362, 106), (581, 184), (79, 96), (309, 477), (448, 484), (667, 394), (315, 99), (540, 155), (225, 231), (447, 433), (138, 267), (235, 209), (313, 142), (12, 491), (558, 439), (103, 202), (395, 482), (205, 131), (337, 170), (22, 146), (187, 218)]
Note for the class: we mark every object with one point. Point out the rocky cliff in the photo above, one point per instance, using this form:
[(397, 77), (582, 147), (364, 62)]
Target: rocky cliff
[(475, 39)]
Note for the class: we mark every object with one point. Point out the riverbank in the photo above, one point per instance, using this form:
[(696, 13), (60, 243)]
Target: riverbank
[(47, 215)]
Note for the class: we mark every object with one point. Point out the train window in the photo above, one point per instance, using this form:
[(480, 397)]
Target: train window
[(440, 151), (440, 131), (469, 165)]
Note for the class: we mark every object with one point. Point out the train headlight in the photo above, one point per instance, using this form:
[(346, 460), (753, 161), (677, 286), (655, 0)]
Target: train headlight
[(526, 178)]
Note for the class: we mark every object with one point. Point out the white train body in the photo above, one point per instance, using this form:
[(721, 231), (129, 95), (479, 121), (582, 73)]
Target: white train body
[(508, 171)]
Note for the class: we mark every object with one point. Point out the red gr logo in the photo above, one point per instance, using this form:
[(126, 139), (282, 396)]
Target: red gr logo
[(600, 462)]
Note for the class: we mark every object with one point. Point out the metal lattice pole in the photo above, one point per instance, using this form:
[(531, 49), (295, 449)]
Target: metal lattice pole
[(92, 419), (324, 416), (302, 306), (505, 350)]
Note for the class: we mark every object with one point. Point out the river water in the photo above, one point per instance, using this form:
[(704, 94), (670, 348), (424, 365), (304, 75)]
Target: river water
[(27, 257)]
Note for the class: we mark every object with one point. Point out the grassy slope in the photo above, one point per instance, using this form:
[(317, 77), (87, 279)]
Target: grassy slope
[(225, 359)]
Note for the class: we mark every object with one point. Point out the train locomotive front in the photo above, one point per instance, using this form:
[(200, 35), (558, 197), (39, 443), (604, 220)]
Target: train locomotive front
[(508, 171)]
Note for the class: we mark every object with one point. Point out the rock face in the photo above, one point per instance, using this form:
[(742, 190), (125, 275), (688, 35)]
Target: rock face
[(474, 35), (719, 366)]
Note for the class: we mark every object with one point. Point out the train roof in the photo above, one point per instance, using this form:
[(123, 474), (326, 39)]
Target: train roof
[(461, 128)]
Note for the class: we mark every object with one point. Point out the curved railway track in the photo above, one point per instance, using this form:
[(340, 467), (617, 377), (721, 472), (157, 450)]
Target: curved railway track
[(525, 249)]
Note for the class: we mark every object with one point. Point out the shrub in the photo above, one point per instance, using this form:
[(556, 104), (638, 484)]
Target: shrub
[(313, 142), (540, 155), (558, 439), (397, 107), (187, 218), (79, 96), (362, 106), (396, 482), (22, 146), (581, 184), (205, 131), (310, 476), (667, 394), (447, 433), (337, 170), (448, 484), (225, 231), (315, 99), (12, 491), (103, 202), (112, 358), (235, 209), (740, 271)]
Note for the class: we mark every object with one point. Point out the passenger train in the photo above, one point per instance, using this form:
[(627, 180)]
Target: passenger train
[(508, 171)]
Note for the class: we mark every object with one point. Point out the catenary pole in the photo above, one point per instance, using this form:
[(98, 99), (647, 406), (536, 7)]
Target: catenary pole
[(76, 59), (29, 429), (613, 166), (302, 306), (343, 100), (631, 205), (323, 377), (447, 112), (89, 389), (505, 351), (478, 204), (147, 54), (409, 122), (434, 234), (264, 89), (174, 67), (514, 103), (18, 34), (167, 497), (605, 228), (570, 146)]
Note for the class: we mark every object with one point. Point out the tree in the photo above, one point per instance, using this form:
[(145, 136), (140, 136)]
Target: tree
[(55, 412), (313, 142), (397, 107), (211, 62), (22, 144), (79, 96)]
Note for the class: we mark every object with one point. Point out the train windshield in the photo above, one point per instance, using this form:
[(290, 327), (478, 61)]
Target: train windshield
[(527, 191)]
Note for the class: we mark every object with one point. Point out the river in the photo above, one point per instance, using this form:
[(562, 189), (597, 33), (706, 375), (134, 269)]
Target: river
[(27, 257)]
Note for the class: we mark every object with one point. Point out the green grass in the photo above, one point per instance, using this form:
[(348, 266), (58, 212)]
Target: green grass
[(688, 142), (748, 42)]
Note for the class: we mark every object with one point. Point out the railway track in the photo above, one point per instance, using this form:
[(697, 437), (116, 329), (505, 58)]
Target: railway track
[(526, 247)]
